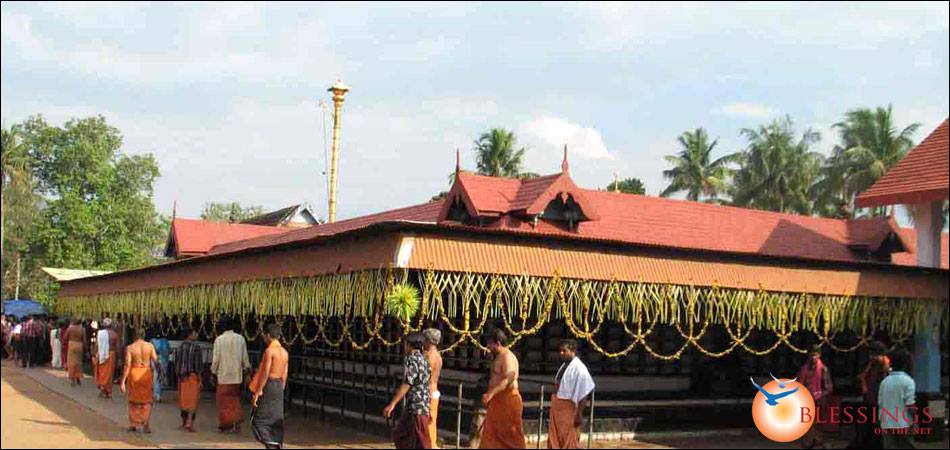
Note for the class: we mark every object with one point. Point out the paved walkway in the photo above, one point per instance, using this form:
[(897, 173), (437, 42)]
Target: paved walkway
[(41, 409)]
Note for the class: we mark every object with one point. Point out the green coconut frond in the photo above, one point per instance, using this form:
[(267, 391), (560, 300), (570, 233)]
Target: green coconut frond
[(402, 301)]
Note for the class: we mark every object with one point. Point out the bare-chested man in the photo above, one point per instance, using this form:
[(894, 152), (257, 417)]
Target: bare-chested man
[(140, 360), (433, 339), (267, 417), (503, 424)]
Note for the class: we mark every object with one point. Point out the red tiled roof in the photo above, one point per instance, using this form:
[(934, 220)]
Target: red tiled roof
[(909, 258), (633, 219), (921, 176), (196, 237), (427, 212)]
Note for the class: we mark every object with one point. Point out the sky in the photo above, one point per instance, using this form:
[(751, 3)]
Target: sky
[(227, 96)]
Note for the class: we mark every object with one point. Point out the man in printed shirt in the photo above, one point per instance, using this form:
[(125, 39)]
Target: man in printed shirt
[(229, 364), (412, 428)]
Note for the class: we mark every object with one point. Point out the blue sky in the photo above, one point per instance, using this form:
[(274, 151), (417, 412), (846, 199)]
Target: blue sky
[(226, 95)]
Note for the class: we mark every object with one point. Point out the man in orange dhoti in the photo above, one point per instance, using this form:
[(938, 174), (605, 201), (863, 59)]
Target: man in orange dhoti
[(107, 340), (140, 360), (188, 366), (75, 336), (433, 337), (503, 426), (572, 385), (229, 364)]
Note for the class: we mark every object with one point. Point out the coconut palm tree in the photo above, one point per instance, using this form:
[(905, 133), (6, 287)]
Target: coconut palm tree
[(496, 155), (694, 171), (870, 145), (777, 169), (15, 175)]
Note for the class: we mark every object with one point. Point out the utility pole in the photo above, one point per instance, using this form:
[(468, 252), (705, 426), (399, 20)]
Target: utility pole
[(338, 90)]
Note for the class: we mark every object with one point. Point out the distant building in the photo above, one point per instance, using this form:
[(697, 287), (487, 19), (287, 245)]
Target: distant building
[(296, 216)]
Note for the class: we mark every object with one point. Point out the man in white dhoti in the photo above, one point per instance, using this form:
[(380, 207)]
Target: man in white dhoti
[(572, 387)]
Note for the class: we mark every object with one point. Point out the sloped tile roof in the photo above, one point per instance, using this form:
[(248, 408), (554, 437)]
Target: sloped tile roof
[(197, 237), (632, 219), (922, 176)]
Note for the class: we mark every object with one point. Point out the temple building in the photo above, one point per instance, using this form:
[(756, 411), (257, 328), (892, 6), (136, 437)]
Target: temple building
[(671, 299)]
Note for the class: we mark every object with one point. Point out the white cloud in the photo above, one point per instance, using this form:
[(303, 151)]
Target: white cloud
[(550, 134), (423, 51), (748, 110), (615, 26), (207, 49)]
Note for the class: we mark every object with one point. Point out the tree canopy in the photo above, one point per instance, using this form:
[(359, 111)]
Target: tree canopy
[(231, 212)]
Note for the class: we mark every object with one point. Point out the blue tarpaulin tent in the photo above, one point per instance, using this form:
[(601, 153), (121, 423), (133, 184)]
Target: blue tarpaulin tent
[(22, 307)]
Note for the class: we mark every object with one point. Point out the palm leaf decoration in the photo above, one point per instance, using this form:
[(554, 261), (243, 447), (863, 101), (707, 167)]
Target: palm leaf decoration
[(402, 301)]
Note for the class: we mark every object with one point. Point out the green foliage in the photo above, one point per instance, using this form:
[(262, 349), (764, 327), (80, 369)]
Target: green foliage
[(402, 301), (231, 212), (89, 206), (870, 145), (694, 171), (628, 186), (776, 170), (496, 155)]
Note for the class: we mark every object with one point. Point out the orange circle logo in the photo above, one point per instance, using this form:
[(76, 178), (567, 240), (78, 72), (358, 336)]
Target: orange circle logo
[(783, 410)]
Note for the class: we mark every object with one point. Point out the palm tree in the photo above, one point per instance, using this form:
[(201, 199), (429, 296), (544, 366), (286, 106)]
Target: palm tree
[(776, 170), (15, 175), (870, 145), (693, 170), (628, 186), (496, 154)]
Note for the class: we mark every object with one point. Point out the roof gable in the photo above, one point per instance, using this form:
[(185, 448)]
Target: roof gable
[(190, 237), (921, 176)]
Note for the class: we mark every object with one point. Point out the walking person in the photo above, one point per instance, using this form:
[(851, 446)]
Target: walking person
[(29, 339), (229, 364), (64, 344), (879, 365), (816, 377), (412, 427), (7, 338), (75, 338), (189, 363), (504, 426), (572, 388), (896, 400), (163, 349), (16, 337), (433, 337), (140, 361), (56, 347), (107, 341), (267, 387)]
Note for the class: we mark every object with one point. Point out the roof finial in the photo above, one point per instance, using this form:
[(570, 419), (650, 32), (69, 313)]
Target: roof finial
[(564, 165), (616, 181), (174, 209), (458, 161)]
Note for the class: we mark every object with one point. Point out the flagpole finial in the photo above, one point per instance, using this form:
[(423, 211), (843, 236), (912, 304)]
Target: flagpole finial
[(564, 165)]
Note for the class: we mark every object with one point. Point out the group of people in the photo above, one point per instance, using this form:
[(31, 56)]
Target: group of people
[(230, 368), (503, 425), (886, 388), (27, 339)]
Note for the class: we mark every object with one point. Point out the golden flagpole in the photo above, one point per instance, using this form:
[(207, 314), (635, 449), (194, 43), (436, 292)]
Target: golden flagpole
[(338, 90)]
